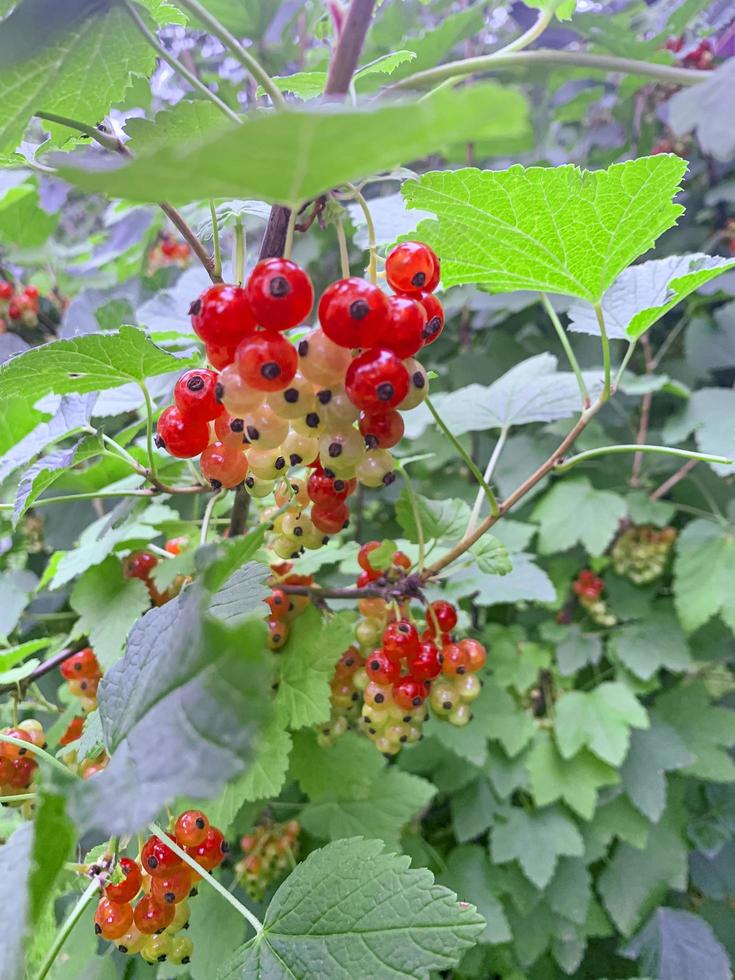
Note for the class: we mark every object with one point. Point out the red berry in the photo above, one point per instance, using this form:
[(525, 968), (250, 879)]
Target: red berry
[(456, 660), (169, 247), (128, 888), (425, 665), (412, 267), (222, 315), (400, 559), (331, 519), (326, 490), (152, 916), (21, 772), (381, 430), (181, 436), (112, 919), (476, 654), (10, 751), (173, 888), (14, 310), (195, 395), (83, 663), (211, 851), (138, 564), (174, 546), (365, 578), (376, 380), (191, 828), (281, 294), (221, 356), (31, 291), (6, 289), (158, 859), (266, 361), (434, 317), (381, 669), (224, 464), (72, 733), (352, 312), (363, 555), (227, 428), (403, 330), (400, 640), (409, 693), (443, 613)]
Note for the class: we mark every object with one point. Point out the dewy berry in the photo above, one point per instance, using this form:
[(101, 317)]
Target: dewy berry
[(195, 396), (266, 361), (180, 435), (352, 312), (191, 828), (376, 380), (222, 315), (412, 267), (403, 330), (281, 294)]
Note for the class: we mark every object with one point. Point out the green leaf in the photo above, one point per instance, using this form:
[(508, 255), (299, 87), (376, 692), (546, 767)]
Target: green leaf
[(652, 754), (266, 773), (515, 662), (574, 512), (644, 293), (394, 799), (332, 145), (216, 929), (473, 808), (576, 649), (10, 656), (634, 878), (655, 642), (345, 770), (704, 109), (90, 363), (92, 739), (503, 719), (708, 414), (244, 591), (563, 9), (108, 605), (575, 780), (617, 819), (196, 690), (53, 842), (676, 943), (48, 469), (72, 414), (70, 57), (559, 230), (439, 519), (536, 839), (15, 858), (16, 586), (186, 119), (23, 222), (570, 891), (704, 568), (705, 729), (470, 874), (306, 666), (601, 719), (492, 556), (350, 903)]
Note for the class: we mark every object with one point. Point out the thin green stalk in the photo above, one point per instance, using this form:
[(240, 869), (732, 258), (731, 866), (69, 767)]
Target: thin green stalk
[(487, 476), (469, 461), (149, 411), (413, 500), (567, 464), (534, 31), (212, 881), (372, 237), (238, 261), (290, 228), (219, 31), (551, 58), (606, 390), (178, 67), (217, 268), (109, 142), (17, 798), (209, 510), (36, 750), (344, 255), (564, 341), (624, 364), (90, 892), (118, 450)]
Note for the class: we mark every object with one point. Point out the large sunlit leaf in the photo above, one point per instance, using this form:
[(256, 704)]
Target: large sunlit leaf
[(290, 157), (558, 230)]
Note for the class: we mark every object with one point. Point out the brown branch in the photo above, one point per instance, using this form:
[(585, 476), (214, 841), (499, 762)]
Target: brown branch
[(673, 479), (193, 240), (44, 668), (239, 512)]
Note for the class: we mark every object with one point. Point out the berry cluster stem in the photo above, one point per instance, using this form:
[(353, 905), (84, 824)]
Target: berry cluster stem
[(566, 464), (87, 896), (36, 750), (571, 357)]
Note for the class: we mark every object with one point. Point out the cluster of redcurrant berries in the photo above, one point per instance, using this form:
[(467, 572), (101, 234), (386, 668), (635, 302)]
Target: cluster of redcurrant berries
[(21, 308), (168, 252), (17, 763), (140, 564), (588, 588), (641, 553), (163, 881), (83, 674), (269, 851), (701, 56), (330, 403), (282, 607)]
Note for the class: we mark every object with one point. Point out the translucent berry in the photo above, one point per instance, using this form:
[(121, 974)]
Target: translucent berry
[(376, 469), (339, 452), (195, 397), (227, 428), (381, 669), (376, 380), (330, 519), (236, 395), (131, 942), (412, 267), (320, 360), (363, 555), (151, 916), (138, 564), (224, 464), (211, 851), (156, 948), (295, 400), (128, 887), (403, 330), (418, 385), (337, 410), (158, 859), (83, 663), (267, 464), (475, 652), (266, 361), (191, 828), (410, 693), (400, 640), (434, 317), (281, 294), (277, 634), (381, 430), (173, 887), (181, 436), (443, 614), (327, 490), (425, 665), (181, 950), (9, 750), (264, 429), (222, 315), (174, 546), (112, 919), (456, 660), (299, 449), (352, 312), (221, 356)]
